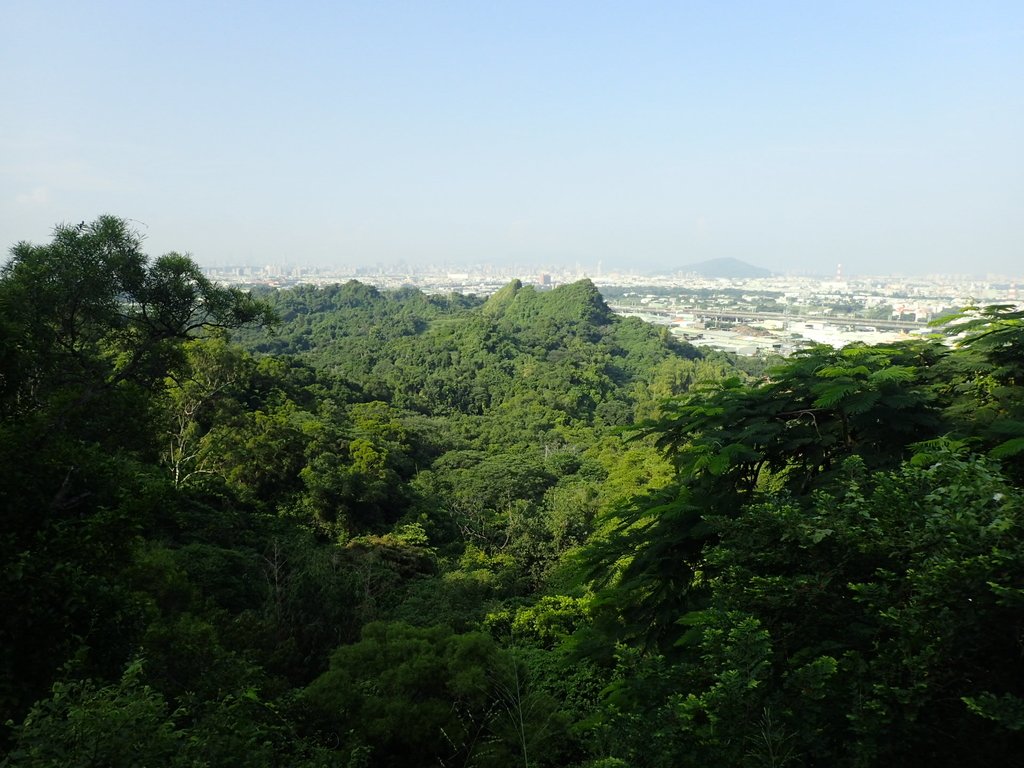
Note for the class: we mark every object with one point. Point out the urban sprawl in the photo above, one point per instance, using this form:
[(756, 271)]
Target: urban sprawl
[(747, 316)]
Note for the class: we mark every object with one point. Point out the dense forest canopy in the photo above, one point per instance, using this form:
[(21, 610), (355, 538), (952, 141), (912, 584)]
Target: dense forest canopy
[(347, 527)]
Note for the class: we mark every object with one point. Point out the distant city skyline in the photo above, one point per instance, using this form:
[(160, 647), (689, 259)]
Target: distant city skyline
[(645, 136), (576, 271)]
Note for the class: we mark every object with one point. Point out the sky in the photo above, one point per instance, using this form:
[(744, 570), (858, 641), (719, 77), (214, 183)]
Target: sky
[(885, 136)]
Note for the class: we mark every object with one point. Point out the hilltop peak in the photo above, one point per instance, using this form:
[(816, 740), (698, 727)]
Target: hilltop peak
[(725, 267), (585, 293), (501, 299)]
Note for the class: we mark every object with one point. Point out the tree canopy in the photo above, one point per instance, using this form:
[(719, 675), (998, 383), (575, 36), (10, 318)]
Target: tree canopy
[(401, 529)]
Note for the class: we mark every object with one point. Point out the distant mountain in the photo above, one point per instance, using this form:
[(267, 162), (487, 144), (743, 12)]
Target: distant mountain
[(726, 268)]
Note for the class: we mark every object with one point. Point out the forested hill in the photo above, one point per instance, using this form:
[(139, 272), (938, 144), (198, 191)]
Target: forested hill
[(389, 529), (555, 357)]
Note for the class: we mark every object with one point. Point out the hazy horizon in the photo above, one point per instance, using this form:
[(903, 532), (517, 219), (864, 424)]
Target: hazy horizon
[(790, 136)]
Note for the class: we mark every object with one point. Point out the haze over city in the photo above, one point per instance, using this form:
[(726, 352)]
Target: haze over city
[(793, 136)]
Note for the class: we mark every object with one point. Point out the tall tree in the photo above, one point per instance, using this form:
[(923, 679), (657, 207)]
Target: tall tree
[(88, 312), (91, 329)]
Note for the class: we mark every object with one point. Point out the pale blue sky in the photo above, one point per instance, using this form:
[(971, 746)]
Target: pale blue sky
[(886, 136)]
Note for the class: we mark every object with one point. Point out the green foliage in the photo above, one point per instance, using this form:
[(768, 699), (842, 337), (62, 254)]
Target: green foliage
[(545, 359), (733, 443), (997, 330), (94, 329), (129, 723), (989, 378), (406, 530), (72, 517), (808, 607), (820, 406), (204, 392), (1007, 710), (414, 696), (126, 724), (860, 630), (93, 315), (549, 621)]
